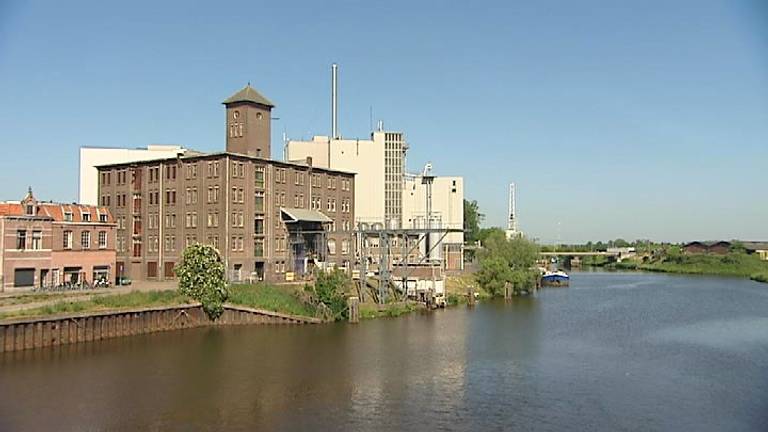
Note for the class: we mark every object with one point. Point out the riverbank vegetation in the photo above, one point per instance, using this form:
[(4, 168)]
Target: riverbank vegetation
[(132, 300), (283, 299), (735, 263), (387, 310), (506, 262), (201, 274)]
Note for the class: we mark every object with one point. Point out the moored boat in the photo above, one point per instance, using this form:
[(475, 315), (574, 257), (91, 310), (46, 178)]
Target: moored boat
[(555, 278)]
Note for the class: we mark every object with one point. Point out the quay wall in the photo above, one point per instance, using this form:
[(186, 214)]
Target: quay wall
[(27, 333)]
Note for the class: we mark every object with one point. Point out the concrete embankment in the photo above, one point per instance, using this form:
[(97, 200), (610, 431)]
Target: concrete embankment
[(27, 333)]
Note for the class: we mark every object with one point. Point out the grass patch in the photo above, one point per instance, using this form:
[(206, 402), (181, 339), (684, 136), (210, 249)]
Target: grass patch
[(732, 264), (760, 277), (370, 310), (131, 300), (270, 297), (28, 298)]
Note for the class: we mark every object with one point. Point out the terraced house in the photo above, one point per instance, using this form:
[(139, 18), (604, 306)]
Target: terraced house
[(270, 220), (46, 244)]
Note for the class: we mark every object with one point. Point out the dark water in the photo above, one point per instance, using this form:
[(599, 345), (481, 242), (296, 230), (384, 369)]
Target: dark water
[(613, 352)]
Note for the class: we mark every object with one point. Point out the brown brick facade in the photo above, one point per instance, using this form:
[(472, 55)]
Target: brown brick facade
[(228, 200)]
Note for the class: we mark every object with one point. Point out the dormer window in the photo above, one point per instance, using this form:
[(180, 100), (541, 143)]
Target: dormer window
[(102, 218), (68, 216), (29, 204), (86, 217)]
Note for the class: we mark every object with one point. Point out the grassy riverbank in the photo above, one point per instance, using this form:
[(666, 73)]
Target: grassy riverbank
[(274, 298), (261, 296), (732, 264), (292, 300), (132, 300), (370, 310)]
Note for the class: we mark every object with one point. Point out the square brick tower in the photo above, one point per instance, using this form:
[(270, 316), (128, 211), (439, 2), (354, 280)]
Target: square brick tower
[(248, 123)]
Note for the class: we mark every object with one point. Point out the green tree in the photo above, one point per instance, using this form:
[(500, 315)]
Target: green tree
[(472, 220), (620, 242), (486, 233), (737, 247), (505, 261), (201, 276), (330, 289)]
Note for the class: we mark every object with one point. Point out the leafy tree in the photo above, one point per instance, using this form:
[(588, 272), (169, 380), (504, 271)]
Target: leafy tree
[(737, 247), (201, 276), (472, 220), (330, 288), (486, 233), (620, 242), (507, 261)]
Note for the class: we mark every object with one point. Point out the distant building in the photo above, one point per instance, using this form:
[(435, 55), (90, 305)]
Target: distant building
[(710, 247), (622, 252), (91, 157), (760, 248), (270, 220), (47, 244)]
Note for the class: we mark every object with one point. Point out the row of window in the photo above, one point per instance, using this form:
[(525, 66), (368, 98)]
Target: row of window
[(85, 239), (85, 216), (332, 247), (153, 243), (238, 169)]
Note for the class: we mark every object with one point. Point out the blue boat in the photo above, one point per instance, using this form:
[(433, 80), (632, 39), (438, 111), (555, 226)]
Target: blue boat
[(555, 278)]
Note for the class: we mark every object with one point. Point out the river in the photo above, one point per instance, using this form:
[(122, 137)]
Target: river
[(614, 352)]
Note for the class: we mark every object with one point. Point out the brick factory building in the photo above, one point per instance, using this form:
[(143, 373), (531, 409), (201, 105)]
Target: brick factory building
[(49, 244), (269, 219)]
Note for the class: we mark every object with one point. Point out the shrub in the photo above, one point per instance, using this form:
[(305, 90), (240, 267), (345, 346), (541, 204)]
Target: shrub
[(507, 261), (330, 289), (201, 276)]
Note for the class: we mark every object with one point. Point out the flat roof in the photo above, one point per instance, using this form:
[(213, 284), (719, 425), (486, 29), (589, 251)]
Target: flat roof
[(196, 155)]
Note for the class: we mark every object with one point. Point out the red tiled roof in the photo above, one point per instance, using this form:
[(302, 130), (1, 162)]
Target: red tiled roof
[(56, 211), (10, 209)]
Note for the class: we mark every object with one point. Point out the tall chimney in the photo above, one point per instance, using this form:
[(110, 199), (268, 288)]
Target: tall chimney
[(334, 101)]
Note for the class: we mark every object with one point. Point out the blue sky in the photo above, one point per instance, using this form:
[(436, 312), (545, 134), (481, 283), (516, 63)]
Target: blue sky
[(644, 119)]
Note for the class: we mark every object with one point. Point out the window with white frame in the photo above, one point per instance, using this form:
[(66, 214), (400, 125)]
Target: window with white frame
[(85, 239), (102, 239)]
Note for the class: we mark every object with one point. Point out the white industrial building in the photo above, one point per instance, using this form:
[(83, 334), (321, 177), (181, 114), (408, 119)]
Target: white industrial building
[(446, 209), (378, 163), (384, 195), (91, 157)]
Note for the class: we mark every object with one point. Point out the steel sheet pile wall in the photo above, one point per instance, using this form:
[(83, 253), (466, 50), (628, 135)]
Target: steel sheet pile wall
[(21, 334)]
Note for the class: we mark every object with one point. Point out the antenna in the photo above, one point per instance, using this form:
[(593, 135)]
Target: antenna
[(512, 214), (334, 101)]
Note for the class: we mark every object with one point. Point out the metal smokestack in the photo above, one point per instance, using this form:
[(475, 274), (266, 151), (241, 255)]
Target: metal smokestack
[(334, 101)]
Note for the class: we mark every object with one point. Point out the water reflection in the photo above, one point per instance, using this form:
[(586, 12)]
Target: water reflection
[(613, 352)]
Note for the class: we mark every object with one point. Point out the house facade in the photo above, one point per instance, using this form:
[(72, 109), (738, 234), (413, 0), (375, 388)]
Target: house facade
[(45, 244)]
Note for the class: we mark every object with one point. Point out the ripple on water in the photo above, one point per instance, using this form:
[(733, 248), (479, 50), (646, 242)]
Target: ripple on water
[(741, 334)]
